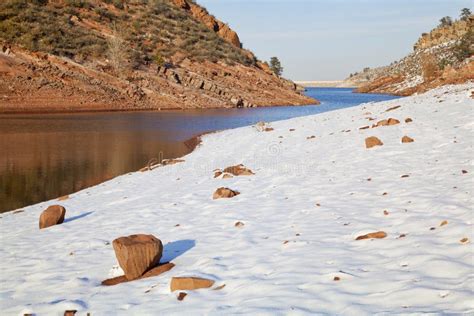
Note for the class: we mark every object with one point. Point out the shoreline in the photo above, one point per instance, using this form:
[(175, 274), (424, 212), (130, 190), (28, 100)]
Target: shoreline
[(316, 188), (124, 110), (325, 84)]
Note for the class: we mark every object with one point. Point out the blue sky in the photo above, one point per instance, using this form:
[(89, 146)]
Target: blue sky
[(328, 39)]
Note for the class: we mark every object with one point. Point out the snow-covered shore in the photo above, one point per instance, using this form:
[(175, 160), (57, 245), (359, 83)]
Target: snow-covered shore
[(309, 199)]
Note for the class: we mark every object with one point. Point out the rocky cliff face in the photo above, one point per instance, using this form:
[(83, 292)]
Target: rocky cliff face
[(201, 14), (441, 35), (130, 55), (443, 56)]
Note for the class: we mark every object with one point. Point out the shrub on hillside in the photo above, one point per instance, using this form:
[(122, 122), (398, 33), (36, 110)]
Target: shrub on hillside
[(155, 25), (429, 66), (465, 48)]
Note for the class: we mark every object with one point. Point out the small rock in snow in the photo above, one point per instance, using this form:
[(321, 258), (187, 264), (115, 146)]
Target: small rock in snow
[(189, 283), (393, 108), (377, 235), (389, 122), (224, 193), (372, 142), (181, 296), (239, 170), (63, 198)]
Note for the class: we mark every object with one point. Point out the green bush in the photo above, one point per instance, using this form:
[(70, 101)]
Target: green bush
[(119, 4), (158, 59), (78, 3)]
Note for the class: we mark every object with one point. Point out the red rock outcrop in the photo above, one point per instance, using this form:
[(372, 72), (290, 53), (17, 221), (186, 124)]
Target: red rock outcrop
[(210, 21), (442, 35), (443, 56), (168, 75)]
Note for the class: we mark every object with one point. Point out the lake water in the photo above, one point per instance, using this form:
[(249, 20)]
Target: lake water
[(50, 155)]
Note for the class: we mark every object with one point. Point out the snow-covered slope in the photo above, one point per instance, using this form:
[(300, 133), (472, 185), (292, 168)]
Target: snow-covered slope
[(307, 202)]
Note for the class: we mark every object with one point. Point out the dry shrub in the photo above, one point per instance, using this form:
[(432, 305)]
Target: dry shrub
[(429, 66)]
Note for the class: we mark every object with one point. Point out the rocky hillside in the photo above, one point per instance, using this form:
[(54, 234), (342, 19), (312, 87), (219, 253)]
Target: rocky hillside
[(443, 56), (83, 55)]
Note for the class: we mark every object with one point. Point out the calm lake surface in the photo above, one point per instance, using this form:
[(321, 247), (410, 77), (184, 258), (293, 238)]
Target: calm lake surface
[(47, 156)]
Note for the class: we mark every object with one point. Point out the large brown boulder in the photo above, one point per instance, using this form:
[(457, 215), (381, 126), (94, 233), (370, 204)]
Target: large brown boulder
[(372, 141), (53, 215), (136, 254), (189, 283), (224, 193)]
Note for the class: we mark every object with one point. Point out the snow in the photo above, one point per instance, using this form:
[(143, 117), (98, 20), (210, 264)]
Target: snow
[(430, 271), (409, 83)]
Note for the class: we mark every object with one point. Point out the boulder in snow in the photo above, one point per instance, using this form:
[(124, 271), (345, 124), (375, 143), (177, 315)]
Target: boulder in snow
[(53, 215), (136, 254)]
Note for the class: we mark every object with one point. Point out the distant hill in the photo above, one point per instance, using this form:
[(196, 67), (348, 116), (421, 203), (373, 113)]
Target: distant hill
[(80, 55), (443, 56)]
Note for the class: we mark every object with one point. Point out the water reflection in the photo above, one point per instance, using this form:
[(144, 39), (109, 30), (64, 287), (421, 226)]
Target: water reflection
[(39, 166), (47, 156)]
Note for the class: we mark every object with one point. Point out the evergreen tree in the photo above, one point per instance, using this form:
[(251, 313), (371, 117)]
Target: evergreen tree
[(446, 21), (276, 66), (465, 14)]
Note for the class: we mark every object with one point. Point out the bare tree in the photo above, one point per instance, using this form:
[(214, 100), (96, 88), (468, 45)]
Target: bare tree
[(117, 51)]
